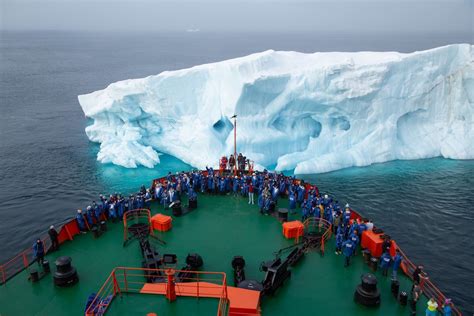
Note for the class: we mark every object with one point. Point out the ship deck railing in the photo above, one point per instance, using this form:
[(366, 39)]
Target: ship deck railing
[(69, 228), (123, 280)]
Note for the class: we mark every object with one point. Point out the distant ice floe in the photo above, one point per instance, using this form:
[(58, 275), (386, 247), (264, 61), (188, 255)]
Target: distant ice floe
[(308, 112)]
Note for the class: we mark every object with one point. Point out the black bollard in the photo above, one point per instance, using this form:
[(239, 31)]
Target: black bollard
[(367, 293), (283, 214), (366, 254), (103, 226), (95, 231), (374, 262), (192, 204), (403, 298), (46, 268), (395, 286), (34, 276), (65, 274)]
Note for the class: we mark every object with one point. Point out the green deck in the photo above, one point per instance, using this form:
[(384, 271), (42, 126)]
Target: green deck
[(222, 226)]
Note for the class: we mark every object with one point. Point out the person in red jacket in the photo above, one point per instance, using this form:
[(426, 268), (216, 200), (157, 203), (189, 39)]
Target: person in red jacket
[(251, 193)]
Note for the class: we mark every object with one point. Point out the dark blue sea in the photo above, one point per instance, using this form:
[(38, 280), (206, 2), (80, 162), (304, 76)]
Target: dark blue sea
[(48, 167)]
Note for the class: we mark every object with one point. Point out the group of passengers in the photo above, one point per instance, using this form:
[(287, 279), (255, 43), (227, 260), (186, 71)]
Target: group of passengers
[(238, 162), (112, 208), (269, 188)]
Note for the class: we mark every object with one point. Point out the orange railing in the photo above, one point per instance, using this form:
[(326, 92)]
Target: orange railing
[(428, 288), (134, 217), (132, 280), (319, 225), (67, 230)]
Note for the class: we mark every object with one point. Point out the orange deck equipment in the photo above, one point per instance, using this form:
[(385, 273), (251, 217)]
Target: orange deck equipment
[(373, 242), (293, 229), (161, 222), (242, 301)]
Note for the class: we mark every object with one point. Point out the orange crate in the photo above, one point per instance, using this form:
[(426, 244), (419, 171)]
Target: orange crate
[(161, 222), (293, 229)]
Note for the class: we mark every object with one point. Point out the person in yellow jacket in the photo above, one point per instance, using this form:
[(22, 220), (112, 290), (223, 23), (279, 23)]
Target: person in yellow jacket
[(432, 309)]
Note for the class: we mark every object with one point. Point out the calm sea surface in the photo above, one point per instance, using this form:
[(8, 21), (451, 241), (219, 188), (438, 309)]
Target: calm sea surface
[(48, 167)]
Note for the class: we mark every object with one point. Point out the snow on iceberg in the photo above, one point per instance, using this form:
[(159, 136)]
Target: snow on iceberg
[(309, 112)]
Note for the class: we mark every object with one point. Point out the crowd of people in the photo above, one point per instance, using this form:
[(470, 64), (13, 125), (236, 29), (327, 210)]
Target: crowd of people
[(269, 188), (238, 162)]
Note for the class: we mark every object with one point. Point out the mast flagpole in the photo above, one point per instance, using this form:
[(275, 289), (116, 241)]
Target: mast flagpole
[(235, 143)]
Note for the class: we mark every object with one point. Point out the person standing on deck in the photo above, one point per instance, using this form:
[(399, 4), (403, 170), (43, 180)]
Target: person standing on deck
[(251, 195), (347, 250), (432, 308), (417, 274), (292, 202), (387, 243), (354, 238), (369, 224), (80, 221), (231, 162), (415, 296), (235, 186), (38, 251), (397, 260), (339, 241), (447, 309), (347, 215), (53, 235), (300, 191), (385, 261)]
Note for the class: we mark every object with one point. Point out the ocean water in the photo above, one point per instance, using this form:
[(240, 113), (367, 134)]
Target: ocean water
[(48, 167)]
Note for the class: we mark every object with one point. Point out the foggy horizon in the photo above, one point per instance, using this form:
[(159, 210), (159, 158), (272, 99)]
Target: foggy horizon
[(318, 16)]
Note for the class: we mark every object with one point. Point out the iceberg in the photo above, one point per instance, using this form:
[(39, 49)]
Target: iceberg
[(310, 113)]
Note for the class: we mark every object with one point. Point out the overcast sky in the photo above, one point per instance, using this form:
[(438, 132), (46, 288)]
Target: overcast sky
[(231, 15)]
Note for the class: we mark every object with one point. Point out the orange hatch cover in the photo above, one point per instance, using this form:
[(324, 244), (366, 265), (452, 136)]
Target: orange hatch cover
[(241, 301)]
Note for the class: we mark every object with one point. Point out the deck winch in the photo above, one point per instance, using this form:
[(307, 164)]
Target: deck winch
[(367, 293), (66, 274)]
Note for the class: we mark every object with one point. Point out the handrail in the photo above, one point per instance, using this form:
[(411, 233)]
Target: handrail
[(426, 285), (136, 215), (321, 224), (120, 279), (67, 229)]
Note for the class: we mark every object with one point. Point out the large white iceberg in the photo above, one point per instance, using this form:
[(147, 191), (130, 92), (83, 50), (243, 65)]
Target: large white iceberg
[(308, 112)]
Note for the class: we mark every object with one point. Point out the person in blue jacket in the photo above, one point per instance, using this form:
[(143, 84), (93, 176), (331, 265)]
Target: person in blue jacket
[(339, 241), (112, 212), (447, 309), (346, 215), (347, 251), (275, 192), (300, 194), (90, 215), (282, 188), (292, 203), (397, 261), (385, 261), (120, 207), (80, 221), (147, 199), (173, 197), (266, 207), (192, 196), (210, 184), (222, 185), (235, 186), (38, 251), (354, 238)]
